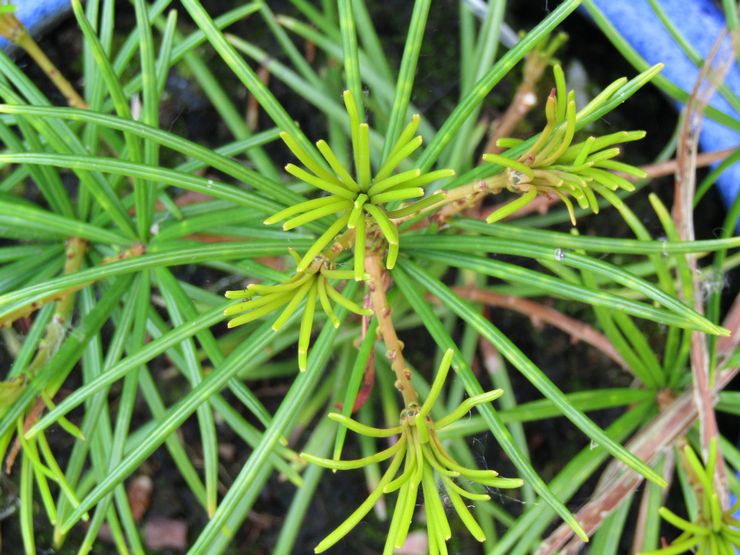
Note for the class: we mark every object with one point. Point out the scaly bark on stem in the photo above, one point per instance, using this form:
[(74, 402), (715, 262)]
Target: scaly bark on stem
[(386, 330), (459, 199)]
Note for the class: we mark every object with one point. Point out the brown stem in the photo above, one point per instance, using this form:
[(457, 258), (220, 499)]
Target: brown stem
[(708, 81), (666, 428), (669, 167), (33, 415), (16, 32), (536, 312), (75, 254), (253, 106), (671, 424), (461, 198), (386, 330), (76, 249), (524, 100), (727, 344)]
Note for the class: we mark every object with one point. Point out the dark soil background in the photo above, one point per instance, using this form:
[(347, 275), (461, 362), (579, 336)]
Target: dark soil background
[(572, 367)]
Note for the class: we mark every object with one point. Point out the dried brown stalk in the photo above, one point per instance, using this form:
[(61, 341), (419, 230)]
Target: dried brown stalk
[(524, 98), (33, 415), (671, 424), (669, 167), (727, 344), (537, 312), (709, 79), (664, 430), (253, 106), (55, 332), (669, 465), (76, 250)]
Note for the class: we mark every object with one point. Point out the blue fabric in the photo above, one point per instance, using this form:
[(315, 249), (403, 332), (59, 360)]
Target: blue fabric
[(35, 14), (700, 22)]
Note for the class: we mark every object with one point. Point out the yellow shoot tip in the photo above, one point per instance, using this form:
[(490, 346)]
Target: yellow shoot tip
[(723, 332)]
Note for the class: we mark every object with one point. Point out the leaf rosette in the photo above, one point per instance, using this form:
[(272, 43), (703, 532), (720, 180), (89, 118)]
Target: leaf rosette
[(419, 461), (312, 284), (555, 165), (359, 201)]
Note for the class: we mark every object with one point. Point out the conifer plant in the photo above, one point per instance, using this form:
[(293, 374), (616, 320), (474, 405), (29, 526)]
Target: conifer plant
[(121, 239)]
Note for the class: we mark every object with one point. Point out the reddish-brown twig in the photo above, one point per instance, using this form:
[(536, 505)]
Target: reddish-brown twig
[(710, 77), (666, 428), (662, 169), (732, 321), (579, 331), (672, 423)]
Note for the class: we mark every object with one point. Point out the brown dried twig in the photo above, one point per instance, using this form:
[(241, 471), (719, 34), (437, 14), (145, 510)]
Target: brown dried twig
[(662, 169), (708, 81), (672, 423), (578, 330), (669, 465)]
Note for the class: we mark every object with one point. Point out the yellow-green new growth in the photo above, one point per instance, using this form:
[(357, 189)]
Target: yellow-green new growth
[(425, 463), (311, 284), (714, 531), (554, 165), (360, 200)]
